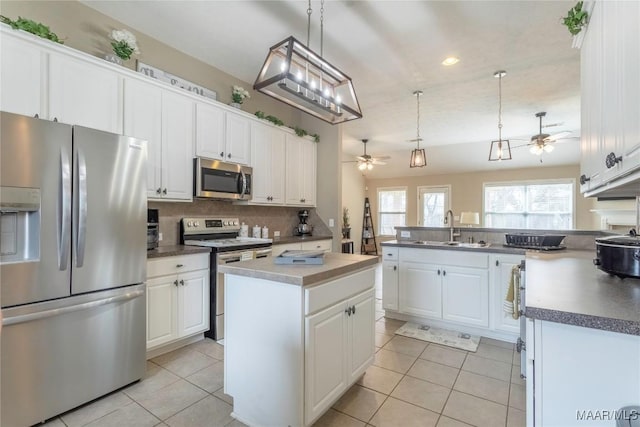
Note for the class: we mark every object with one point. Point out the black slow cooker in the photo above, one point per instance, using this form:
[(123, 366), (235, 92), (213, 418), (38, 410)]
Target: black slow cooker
[(619, 255)]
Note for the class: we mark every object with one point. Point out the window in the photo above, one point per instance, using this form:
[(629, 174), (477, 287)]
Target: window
[(433, 202), (392, 209), (545, 205)]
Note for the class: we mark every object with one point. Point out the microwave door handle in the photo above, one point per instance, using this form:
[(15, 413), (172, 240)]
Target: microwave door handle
[(65, 209), (82, 209), (244, 184)]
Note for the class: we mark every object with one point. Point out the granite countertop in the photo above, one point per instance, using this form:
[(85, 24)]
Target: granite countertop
[(565, 287), (438, 245), (298, 239), (175, 250), (335, 264)]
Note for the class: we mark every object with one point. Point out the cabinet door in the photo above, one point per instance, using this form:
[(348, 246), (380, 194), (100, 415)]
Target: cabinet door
[(420, 289), (278, 249), (162, 305), (325, 245), (21, 77), (390, 285), (361, 335), (308, 161), (81, 93), (293, 181), (465, 295), (238, 139), (325, 359), (627, 22), (261, 153), (177, 146), (143, 119), (193, 302), (500, 279), (210, 131)]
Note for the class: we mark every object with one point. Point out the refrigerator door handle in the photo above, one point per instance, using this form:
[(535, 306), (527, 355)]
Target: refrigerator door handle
[(82, 209), (65, 207), (23, 318)]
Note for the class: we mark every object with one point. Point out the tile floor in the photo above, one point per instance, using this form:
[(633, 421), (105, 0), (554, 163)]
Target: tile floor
[(412, 383)]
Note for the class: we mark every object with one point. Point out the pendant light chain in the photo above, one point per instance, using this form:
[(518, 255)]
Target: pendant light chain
[(321, 26), (309, 10), (418, 93), (500, 107)]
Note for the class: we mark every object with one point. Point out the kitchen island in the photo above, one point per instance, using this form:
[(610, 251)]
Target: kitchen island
[(296, 336)]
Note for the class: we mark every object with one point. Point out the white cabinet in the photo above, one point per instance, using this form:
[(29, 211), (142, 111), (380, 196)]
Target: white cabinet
[(267, 153), (576, 388), (80, 93), (222, 135), (54, 82), (340, 344), (177, 298), (390, 272), (610, 88), (325, 245), (500, 277), (465, 295), (420, 291), (22, 77), (300, 188), (165, 120)]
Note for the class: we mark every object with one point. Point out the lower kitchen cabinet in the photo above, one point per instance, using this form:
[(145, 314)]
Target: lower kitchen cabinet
[(500, 276), (325, 245), (177, 298), (420, 292), (465, 295), (390, 285)]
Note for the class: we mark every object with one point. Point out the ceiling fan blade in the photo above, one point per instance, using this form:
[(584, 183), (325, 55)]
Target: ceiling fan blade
[(557, 135), (378, 162), (522, 145), (381, 157), (361, 158)]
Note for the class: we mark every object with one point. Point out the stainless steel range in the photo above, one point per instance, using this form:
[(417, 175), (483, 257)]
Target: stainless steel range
[(221, 235)]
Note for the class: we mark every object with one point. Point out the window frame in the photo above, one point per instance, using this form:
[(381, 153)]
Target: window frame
[(419, 207), (528, 182), (380, 212)]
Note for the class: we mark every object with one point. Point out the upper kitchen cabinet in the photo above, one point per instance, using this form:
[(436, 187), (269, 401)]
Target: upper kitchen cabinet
[(268, 154), (55, 82), (166, 120), (222, 135), (610, 89), (300, 188)]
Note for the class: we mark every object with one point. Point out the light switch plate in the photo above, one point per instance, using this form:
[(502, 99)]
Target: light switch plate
[(276, 234), (159, 237), (405, 234), (332, 223)]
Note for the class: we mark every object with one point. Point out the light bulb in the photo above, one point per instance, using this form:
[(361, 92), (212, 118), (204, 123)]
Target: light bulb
[(548, 148), (369, 166), (362, 166), (299, 76), (283, 66)]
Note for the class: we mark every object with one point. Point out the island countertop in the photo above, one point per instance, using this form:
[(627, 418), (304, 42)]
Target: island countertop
[(335, 264), (565, 287)]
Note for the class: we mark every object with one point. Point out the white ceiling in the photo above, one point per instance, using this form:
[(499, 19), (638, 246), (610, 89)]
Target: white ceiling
[(392, 48)]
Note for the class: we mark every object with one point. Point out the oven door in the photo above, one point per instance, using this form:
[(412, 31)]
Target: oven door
[(218, 299), (219, 180)]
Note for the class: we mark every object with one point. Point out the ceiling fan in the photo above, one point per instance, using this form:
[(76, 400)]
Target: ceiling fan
[(366, 161), (544, 142)]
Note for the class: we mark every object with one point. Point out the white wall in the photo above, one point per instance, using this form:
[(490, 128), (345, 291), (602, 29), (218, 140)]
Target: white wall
[(353, 194)]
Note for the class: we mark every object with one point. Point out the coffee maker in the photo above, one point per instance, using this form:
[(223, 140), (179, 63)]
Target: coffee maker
[(303, 229)]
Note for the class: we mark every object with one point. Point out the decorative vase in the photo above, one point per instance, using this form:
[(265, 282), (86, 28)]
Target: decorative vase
[(236, 105), (112, 57)]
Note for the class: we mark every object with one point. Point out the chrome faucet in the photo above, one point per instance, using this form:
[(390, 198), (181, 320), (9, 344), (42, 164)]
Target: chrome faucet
[(448, 215)]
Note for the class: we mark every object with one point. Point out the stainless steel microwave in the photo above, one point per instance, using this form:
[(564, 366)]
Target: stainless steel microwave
[(214, 179)]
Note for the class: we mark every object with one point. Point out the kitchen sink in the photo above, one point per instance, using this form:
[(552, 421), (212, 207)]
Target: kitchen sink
[(453, 244)]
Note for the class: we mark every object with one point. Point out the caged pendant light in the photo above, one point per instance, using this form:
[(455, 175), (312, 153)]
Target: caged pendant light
[(418, 156), (296, 75), (500, 149)]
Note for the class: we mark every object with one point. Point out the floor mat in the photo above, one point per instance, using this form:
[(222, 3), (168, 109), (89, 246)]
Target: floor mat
[(446, 337)]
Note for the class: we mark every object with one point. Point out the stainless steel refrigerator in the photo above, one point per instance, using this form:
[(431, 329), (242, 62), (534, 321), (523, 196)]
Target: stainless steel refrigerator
[(72, 265)]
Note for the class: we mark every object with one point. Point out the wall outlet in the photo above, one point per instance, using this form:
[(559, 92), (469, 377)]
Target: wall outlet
[(160, 237), (332, 223), (405, 234), (276, 234)]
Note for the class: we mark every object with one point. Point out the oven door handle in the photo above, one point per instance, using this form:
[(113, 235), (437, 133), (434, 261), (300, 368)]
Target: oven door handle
[(226, 259), (263, 253)]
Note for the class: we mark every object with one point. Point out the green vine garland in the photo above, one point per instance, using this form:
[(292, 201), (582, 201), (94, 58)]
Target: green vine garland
[(32, 27), (576, 19)]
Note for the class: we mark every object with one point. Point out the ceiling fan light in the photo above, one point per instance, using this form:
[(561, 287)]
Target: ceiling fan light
[(362, 166), (536, 149), (548, 148), (418, 158), (369, 166)]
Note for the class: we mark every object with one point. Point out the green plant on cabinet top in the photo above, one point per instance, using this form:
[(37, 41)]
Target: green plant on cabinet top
[(576, 19), (32, 27)]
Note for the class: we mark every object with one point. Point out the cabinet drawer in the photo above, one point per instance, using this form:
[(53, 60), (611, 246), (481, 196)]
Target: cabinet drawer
[(446, 257), (325, 245), (325, 295), (389, 254), (177, 264)]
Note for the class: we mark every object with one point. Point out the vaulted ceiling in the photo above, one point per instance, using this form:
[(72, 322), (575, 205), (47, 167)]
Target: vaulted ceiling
[(392, 48)]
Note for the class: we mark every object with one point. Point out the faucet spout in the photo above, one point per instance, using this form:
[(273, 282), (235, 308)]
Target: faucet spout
[(448, 219)]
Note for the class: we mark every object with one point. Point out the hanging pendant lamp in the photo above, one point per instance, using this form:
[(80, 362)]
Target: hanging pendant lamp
[(500, 149), (418, 156), (296, 75)]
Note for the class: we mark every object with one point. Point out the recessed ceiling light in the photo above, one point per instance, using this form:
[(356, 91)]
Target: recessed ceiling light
[(451, 61)]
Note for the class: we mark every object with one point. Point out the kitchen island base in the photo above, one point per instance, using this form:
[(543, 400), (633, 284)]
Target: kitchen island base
[(291, 351)]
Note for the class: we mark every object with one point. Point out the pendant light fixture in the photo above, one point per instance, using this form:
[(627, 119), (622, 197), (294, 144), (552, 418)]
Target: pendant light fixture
[(418, 156), (296, 75), (500, 149)]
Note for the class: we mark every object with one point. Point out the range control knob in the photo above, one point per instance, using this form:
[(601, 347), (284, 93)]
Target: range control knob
[(197, 224), (225, 223), (235, 222)]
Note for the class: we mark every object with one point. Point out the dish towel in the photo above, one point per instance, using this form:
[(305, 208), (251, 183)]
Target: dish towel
[(511, 304)]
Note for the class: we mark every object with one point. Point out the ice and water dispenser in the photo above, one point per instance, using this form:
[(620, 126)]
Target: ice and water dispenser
[(19, 224)]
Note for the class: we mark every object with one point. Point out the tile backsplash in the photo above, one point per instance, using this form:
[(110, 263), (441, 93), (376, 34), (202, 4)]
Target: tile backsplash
[(276, 218)]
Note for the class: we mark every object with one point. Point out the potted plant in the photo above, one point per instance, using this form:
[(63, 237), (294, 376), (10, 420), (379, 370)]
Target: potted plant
[(124, 45), (346, 227), (238, 95)]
